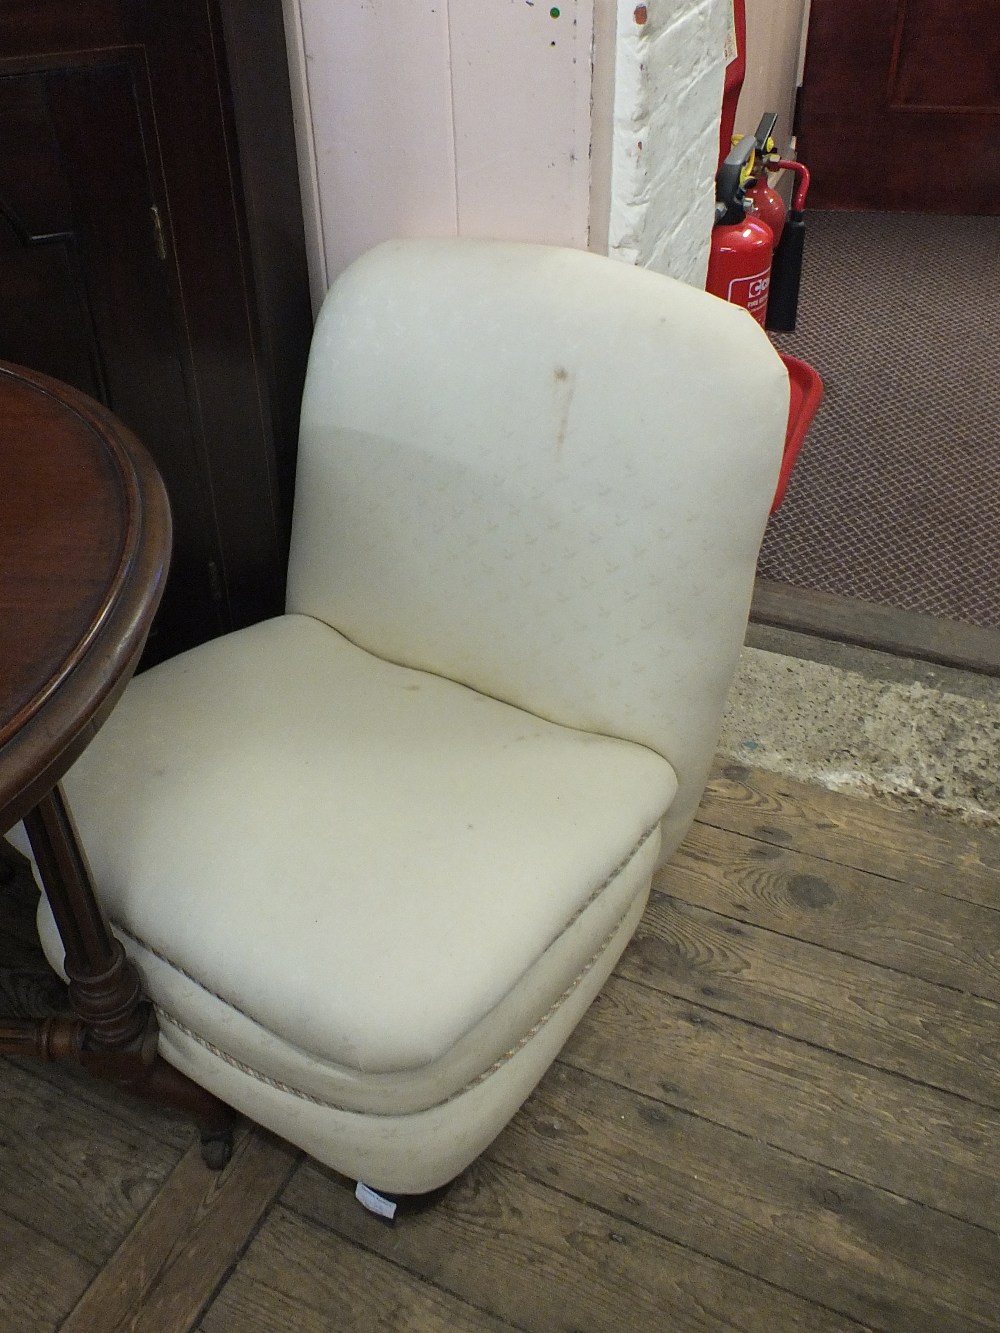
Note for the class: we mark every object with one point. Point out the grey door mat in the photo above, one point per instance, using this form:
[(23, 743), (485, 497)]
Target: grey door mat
[(895, 502)]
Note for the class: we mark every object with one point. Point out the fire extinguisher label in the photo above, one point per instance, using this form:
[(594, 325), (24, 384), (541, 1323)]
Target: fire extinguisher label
[(751, 293)]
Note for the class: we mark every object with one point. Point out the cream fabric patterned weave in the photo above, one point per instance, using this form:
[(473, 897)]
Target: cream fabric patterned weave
[(362, 858), (369, 903), (563, 512)]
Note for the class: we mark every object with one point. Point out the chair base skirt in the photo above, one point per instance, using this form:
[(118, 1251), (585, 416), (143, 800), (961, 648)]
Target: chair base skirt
[(407, 1154), (412, 1153), (413, 1130)]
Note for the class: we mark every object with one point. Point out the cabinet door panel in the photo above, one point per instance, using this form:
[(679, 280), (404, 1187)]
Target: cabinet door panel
[(39, 261), (94, 302), (151, 247)]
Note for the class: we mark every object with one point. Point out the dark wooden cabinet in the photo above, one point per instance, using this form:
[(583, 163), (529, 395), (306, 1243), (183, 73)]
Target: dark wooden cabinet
[(151, 254)]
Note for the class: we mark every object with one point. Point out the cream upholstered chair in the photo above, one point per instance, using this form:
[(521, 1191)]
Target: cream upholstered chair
[(374, 858)]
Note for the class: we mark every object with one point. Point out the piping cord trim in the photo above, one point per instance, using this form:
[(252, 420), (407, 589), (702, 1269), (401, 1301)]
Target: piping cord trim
[(497, 1064)]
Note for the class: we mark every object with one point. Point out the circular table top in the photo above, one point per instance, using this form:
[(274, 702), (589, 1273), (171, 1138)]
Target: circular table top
[(84, 549)]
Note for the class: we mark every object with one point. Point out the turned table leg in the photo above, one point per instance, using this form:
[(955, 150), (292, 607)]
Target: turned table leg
[(114, 1033), (104, 987)]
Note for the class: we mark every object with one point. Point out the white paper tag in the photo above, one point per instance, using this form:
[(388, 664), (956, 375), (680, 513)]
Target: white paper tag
[(732, 46), (374, 1202)]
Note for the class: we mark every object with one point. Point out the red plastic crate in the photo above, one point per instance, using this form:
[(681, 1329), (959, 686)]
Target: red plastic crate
[(805, 397)]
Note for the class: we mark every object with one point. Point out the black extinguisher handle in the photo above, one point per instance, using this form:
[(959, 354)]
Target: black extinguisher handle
[(763, 135), (729, 193)]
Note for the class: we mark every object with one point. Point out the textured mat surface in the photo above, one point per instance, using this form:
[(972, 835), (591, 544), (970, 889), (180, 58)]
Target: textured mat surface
[(896, 495)]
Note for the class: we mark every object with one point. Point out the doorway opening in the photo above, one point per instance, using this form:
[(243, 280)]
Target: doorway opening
[(890, 533)]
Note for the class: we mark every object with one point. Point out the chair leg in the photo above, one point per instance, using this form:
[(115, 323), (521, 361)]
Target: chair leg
[(217, 1147), (144, 1073)]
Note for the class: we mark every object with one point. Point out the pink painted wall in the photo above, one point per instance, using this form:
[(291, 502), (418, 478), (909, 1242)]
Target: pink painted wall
[(441, 117), (588, 122)]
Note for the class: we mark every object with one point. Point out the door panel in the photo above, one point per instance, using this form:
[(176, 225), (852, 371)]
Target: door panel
[(94, 308), (900, 105), (946, 53), (151, 252), (39, 260)]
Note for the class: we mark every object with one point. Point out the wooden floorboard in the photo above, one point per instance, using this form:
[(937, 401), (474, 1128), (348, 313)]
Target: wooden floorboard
[(800, 1226), (166, 1272), (783, 1112), (926, 1145), (299, 1276), (855, 912), (106, 1103), (77, 1175), (545, 1262), (867, 833), (39, 1279), (880, 1016)]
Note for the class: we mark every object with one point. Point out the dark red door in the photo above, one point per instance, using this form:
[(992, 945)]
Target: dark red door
[(900, 105)]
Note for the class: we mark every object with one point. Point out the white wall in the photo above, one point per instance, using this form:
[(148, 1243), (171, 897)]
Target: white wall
[(460, 117), (669, 70)]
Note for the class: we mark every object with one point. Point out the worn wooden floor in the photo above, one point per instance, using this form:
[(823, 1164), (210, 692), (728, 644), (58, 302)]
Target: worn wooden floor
[(783, 1113)]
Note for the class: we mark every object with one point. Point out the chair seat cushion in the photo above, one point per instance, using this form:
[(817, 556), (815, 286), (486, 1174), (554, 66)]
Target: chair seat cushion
[(352, 858)]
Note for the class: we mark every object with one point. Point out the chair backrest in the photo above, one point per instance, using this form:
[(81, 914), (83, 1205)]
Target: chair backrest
[(544, 474)]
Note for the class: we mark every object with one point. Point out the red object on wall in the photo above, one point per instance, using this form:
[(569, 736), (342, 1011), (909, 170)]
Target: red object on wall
[(743, 246), (805, 395), (735, 74)]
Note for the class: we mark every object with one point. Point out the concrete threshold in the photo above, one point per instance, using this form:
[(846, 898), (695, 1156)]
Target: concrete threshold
[(866, 723)]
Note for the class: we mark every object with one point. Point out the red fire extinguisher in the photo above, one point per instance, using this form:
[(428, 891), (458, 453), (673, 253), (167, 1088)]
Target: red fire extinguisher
[(766, 203), (788, 227), (739, 263)]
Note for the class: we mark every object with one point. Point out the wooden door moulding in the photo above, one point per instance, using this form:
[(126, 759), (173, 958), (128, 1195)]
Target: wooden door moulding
[(884, 628), (900, 105), (223, 310), (951, 47)]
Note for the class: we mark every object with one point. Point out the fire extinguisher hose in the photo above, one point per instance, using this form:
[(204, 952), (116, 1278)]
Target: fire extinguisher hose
[(802, 185)]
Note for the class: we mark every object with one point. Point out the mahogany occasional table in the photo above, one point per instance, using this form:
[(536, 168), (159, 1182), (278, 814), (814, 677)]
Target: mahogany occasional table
[(84, 550)]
